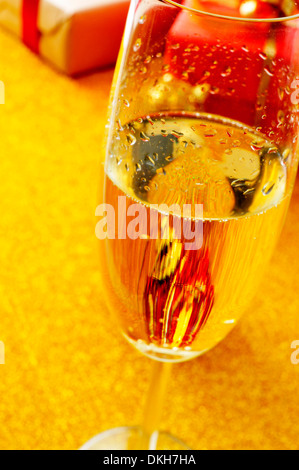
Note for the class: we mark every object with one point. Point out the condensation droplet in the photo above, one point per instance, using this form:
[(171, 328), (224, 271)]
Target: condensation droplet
[(257, 145), (131, 139), (273, 150), (214, 65), (263, 55), (287, 90), (144, 137), (237, 183), (269, 71), (249, 191), (214, 90), (281, 117), (167, 77), (286, 154), (142, 19), (150, 159), (280, 92), (177, 134), (258, 106), (143, 70), (226, 72), (210, 133), (268, 188), (137, 45), (119, 126)]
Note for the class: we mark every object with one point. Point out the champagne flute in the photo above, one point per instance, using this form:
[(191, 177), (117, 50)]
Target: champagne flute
[(202, 154)]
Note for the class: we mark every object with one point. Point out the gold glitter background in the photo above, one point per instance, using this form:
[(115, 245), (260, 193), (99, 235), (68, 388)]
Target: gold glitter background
[(68, 372)]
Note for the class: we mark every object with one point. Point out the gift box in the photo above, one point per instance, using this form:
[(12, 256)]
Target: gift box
[(75, 36)]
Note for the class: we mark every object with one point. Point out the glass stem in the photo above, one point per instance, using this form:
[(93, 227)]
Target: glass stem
[(154, 404)]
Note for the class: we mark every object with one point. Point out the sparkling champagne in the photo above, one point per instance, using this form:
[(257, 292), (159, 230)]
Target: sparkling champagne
[(175, 302)]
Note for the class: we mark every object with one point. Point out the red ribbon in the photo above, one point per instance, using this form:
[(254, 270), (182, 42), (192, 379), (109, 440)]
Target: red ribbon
[(30, 32)]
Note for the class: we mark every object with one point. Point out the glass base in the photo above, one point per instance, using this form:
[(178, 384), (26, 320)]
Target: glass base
[(131, 438), (163, 354)]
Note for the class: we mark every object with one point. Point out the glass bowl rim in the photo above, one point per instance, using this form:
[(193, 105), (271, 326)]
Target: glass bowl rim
[(231, 18)]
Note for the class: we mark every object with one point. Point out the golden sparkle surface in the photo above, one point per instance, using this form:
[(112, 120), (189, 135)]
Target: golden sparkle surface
[(68, 373)]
